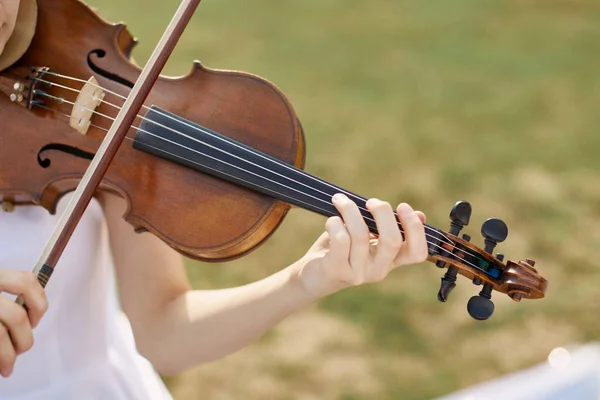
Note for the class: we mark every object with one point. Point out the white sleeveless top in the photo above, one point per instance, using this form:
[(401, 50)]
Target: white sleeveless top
[(83, 346)]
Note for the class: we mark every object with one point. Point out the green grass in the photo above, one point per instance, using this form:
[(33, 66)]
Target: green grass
[(430, 102), (385, 316)]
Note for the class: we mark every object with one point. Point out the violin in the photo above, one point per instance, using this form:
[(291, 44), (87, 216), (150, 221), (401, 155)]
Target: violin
[(210, 162)]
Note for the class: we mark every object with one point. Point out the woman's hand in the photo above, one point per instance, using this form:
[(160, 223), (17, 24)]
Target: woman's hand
[(346, 254), (8, 17), (16, 324)]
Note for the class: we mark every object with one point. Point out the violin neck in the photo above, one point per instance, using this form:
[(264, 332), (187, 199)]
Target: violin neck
[(169, 136)]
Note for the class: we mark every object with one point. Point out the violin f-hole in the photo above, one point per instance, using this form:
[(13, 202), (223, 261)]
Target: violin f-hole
[(102, 72), (45, 163)]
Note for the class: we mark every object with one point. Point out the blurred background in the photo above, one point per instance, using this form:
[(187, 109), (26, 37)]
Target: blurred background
[(429, 102)]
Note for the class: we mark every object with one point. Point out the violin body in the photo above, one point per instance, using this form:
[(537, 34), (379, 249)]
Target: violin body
[(222, 220)]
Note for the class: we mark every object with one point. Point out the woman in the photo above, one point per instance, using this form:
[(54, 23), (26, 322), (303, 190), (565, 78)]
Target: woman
[(86, 348)]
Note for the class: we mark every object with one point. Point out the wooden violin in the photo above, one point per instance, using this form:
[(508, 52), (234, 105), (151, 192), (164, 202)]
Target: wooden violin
[(210, 163)]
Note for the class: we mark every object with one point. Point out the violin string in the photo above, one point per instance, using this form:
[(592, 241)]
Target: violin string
[(448, 241), (276, 162), (203, 154), (441, 248), (448, 252), (71, 117), (212, 135), (177, 156)]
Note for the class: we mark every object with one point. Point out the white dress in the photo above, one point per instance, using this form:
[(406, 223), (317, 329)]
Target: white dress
[(83, 347)]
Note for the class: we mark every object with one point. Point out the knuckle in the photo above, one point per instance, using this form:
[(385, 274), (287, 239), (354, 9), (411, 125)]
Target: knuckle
[(346, 203), (41, 304), (27, 344), (332, 222), (3, 333), (30, 342), (45, 305), (346, 279), (342, 237), (414, 220), (391, 241), (24, 344)]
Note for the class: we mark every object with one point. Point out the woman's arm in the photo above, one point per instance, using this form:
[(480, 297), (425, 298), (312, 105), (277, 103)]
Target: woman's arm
[(176, 327)]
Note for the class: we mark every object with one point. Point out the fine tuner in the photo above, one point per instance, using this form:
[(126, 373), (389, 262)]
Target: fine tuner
[(517, 280)]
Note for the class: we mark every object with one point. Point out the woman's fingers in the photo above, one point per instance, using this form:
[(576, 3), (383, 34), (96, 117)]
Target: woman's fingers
[(339, 241), (414, 249), (14, 318), (16, 322), (421, 216), (347, 254), (389, 242), (26, 284), (350, 238), (358, 232), (7, 353)]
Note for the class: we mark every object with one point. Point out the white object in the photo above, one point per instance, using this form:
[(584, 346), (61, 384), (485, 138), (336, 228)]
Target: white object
[(568, 374), (84, 347)]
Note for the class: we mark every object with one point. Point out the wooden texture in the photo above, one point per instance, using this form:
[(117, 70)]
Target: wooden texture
[(200, 216), (518, 280)]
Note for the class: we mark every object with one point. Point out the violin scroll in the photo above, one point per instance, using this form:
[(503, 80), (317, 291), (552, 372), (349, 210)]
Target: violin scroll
[(518, 280)]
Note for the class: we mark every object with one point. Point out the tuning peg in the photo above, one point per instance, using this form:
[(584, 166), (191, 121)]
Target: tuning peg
[(447, 284), (481, 307), (494, 231), (460, 216)]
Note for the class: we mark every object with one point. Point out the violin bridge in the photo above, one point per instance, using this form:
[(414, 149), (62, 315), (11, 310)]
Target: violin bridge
[(90, 96)]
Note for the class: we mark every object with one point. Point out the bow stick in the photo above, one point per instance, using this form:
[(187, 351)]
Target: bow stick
[(110, 145)]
